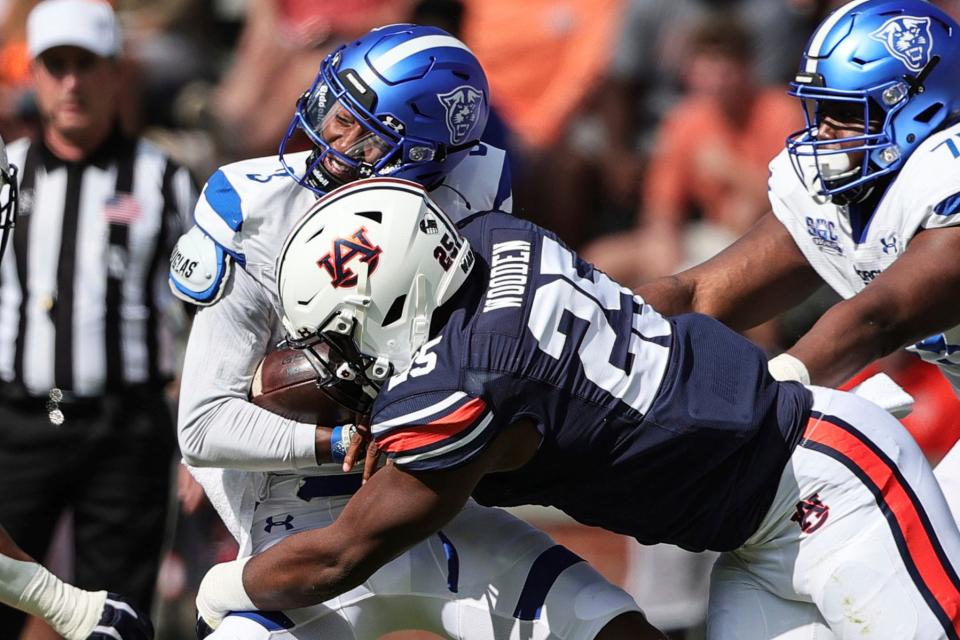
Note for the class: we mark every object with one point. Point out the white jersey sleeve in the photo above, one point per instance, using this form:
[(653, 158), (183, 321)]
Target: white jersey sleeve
[(934, 170), (217, 424)]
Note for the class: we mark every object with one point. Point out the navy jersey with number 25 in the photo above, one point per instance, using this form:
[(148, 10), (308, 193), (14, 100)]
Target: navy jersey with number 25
[(665, 429)]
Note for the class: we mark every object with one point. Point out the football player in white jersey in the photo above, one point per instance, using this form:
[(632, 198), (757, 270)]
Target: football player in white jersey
[(867, 194), (402, 101)]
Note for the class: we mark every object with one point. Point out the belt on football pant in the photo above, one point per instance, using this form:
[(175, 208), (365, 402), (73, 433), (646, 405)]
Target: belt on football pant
[(329, 486)]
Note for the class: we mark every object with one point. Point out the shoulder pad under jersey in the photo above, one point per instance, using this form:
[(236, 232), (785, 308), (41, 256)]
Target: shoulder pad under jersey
[(219, 214), (253, 191), (481, 182), (199, 268)]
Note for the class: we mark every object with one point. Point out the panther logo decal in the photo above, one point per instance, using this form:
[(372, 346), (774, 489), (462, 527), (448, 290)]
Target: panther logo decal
[(463, 106), (908, 39)]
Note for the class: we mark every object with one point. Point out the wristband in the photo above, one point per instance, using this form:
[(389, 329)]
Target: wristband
[(340, 440), (337, 451), (787, 367)]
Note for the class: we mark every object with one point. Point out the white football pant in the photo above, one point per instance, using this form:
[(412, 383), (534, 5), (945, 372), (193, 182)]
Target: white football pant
[(487, 576), (859, 542)]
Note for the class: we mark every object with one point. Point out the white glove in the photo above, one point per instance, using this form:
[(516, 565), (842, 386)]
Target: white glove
[(787, 367), (882, 391)]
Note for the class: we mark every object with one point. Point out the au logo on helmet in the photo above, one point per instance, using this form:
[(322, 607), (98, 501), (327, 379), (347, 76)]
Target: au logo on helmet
[(463, 106), (908, 39), (344, 250)]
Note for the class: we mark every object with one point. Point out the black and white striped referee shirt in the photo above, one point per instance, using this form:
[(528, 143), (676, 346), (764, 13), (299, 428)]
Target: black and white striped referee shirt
[(83, 291)]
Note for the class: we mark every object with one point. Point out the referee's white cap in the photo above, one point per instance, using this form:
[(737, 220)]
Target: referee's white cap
[(88, 24)]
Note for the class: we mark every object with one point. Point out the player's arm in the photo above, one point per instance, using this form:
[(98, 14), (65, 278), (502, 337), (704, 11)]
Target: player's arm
[(912, 299), (217, 425), (390, 513), (75, 614), (393, 511), (758, 276)]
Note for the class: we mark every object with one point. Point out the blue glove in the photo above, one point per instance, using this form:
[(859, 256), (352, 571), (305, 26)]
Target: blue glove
[(121, 621)]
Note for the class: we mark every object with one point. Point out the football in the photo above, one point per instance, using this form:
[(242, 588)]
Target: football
[(285, 383)]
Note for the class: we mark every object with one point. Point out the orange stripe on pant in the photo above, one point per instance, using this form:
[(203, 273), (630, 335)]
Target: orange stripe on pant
[(901, 505)]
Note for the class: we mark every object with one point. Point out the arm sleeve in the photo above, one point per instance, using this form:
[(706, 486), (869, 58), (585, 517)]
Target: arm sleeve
[(218, 426), (432, 431)]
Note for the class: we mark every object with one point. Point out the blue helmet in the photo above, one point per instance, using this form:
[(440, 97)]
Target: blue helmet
[(892, 67), (419, 96)]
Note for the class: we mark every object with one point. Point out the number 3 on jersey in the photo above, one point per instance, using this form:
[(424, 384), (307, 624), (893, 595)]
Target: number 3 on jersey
[(637, 383)]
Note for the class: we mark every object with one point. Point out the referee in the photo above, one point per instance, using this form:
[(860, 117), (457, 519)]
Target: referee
[(84, 349)]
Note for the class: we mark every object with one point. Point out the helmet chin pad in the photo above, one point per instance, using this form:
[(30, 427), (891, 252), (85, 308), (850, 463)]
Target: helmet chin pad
[(835, 168)]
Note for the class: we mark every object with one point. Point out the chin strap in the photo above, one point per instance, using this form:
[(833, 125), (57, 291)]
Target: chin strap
[(916, 82), (443, 151), (420, 322)]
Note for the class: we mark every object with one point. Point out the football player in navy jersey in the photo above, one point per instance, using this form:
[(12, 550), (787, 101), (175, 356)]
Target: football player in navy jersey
[(866, 199), (509, 370), (402, 100)]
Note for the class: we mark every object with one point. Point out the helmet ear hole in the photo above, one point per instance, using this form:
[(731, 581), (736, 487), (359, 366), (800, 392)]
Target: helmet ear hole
[(396, 309), (927, 114)]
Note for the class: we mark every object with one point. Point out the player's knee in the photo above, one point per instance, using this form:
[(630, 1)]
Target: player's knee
[(857, 599), (582, 602), (631, 624), (240, 628)]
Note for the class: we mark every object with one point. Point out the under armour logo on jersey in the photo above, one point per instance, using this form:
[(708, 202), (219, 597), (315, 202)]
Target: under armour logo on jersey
[(890, 244), (463, 106), (810, 513), (908, 39), (285, 523), (345, 250)]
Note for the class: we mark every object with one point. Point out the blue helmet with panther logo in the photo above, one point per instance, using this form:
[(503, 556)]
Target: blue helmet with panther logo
[(891, 68), (403, 101)]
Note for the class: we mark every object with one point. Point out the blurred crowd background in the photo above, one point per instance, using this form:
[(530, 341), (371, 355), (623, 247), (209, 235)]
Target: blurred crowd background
[(639, 130)]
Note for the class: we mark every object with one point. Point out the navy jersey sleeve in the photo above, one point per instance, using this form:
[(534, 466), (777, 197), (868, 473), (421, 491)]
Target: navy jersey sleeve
[(433, 430)]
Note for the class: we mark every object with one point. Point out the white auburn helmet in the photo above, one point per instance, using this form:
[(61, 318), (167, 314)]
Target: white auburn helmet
[(361, 274)]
